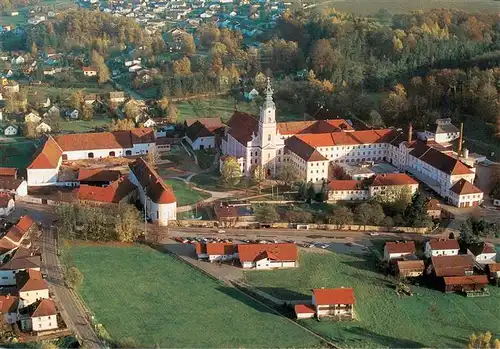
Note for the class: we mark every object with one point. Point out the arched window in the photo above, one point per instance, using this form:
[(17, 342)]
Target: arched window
[(111, 153), (269, 137), (128, 153), (90, 155)]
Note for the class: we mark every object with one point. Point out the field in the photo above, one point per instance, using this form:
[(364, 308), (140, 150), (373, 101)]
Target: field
[(184, 194), (225, 107), (172, 304), (17, 152), (428, 319), (23, 17), (81, 126)]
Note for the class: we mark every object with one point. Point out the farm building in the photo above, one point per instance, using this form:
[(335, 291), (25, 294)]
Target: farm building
[(493, 271), (395, 250), (410, 268), (216, 251), (472, 283), (268, 256), (8, 172), (441, 247), (334, 302), (483, 252), (460, 265)]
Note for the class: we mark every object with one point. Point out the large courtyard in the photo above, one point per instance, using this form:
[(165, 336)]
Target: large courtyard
[(153, 298), (429, 318)]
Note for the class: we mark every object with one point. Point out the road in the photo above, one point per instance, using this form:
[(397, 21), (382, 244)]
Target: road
[(71, 309)]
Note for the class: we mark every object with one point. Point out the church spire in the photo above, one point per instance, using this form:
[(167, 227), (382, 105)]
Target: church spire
[(269, 103)]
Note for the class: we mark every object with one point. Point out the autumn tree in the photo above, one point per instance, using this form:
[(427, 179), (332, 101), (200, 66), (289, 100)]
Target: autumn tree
[(482, 341), (208, 34), (182, 66), (187, 44), (122, 125), (288, 175), (29, 130), (258, 175), (77, 100), (127, 228), (172, 113), (74, 277), (323, 56), (153, 156), (87, 112), (295, 215), (131, 110), (98, 63), (163, 104), (395, 103), (230, 172), (340, 216)]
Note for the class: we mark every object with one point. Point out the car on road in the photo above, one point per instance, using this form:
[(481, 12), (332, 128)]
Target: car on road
[(220, 231), (323, 246), (374, 233)]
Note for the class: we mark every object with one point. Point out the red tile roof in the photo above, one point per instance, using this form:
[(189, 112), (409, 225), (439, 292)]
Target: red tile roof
[(452, 265), (26, 284), (25, 223), (345, 184), (89, 69), (5, 199), (304, 309), (466, 280), (46, 307), (329, 296), (98, 175), (241, 126), (220, 248), (210, 123), (10, 183), (8, 304), (400, 247), (444, 244), (303, 150), (388, 179), (113, 193), (8, 172), (198, 130), (6, 246), (464, 187), (142, 135), (156, 189), (439, 160), (49, 156), (482, 247), (278, 252), (411, 265), (494, 267), (321, 126), (17, 232)]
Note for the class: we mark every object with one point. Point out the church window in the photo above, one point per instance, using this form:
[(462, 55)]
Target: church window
[(268, 156), (269, 137)]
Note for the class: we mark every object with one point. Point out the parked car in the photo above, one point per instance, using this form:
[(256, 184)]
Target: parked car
[(374, 233), (220, 231)]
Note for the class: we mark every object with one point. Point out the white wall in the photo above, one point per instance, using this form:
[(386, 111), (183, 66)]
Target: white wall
[(31, 297), (347, 195), (207, 142), (44, 323), (42, 177), (22, 190), (7, 210), (317, 171), (98, 153)]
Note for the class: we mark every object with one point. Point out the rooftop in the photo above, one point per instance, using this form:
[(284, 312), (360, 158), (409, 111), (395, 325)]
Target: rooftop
[(277, 252), (329, 296), (156, 189), (464, 187), (113, 193), (400, 247)]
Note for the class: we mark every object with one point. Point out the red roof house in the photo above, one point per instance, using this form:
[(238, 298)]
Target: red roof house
[(334, 302), (268, 256)]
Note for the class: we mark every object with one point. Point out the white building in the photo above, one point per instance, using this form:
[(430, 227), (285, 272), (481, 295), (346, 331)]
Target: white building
[(396, 250), (268, 256), (149, 123), (441, 247), (44, 169), (201, 134), (22, 260), (157, 198), (33, 116), (43, 128), (465, 194), (8, 308), (10, 130), (216, 251), (347, 190), (31, 286), (444, 132), (483, 253), (89, 71), (41, 316)]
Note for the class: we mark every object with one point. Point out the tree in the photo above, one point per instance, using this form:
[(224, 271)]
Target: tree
[(98, 63), (416, 213), (48, 345), (122, 125), (323, 56), (131, 109), (230, 172), (172, 113), (266, 213), (338, 172), (127, 228), (29, 130), (396, 103), (87, 112), (153, 156), (288, 175), (74, 277), (297, 216), (258, 175), (340, 216), (163, 104), (187, 45), (369, 213), (34, 50), (482, 341), (182, 66), (376, 119), (77, 100)]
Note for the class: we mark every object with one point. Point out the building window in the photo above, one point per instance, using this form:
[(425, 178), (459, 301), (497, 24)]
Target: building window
[(90, 155), (111, 153), (269, 137), (128, 153), (65, 157)]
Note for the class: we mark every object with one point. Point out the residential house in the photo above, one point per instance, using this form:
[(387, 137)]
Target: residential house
[(335, 303), (11, 130), (216, 251), (8, 308), (39, 316), (32, 287), (157, 198), (164, 144), (18, 60), (39, 101), (90, 98), (228, 214), (134, 68), (396, 250), (202, 135), (89, 71), (483, 252), (117, 97), (268, 256), (7, 204), (121, 191), (49, 71), (444, 132), (22, 259), (54, 110), (441, 247), (465, 284), (97, 176), (72, 114), (434, 209), (465, 194), (493, 271), (458, 265), (33, 116), (13, 186), (410, 268), (251, 94), (8, 173), (43, 128), (149, 123)]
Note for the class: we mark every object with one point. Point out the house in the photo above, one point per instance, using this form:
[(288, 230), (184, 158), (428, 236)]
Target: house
[(268, 256), (304, 311), (134, 68), (33, 116), (39, 316), (43, 128), (149, 123), (11, 130), (132, 62), (157, 198), (434, 209), (8, 308), (13, 186), (72, 114), (483, 253), (89, 71), (465, 194), (8, 173), (441, 247), (7, 73), (458, 265), (251, 95), (334, 302), (117, 97), (18, 60), (32, 287), (410, 268), (97, 177), (7, 204), (216, 251), (200, 137), (121, 191), (444, 132), (493, 271), (22, 259), (465, 284), (226, 213), (396, 250), (164, 144), (39, 101), (90, 99), (54, 111), (49, 71)]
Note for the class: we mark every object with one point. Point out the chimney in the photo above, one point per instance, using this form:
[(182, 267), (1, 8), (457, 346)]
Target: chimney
[(460, 140), (410, 132)]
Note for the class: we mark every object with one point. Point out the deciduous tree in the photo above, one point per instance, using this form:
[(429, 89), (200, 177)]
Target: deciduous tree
[(340, 216), (172, 113), (287, 175), (266, 213), (74, 277), (182, 66), (230, 172), (127, 228)]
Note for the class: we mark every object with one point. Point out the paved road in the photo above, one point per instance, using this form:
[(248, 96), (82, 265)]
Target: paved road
[(71, 309)]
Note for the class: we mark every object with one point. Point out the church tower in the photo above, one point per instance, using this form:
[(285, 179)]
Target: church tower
[(267, 131)]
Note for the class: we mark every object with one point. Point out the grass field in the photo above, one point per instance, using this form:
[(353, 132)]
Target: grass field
[(23, 17), (139, 293), (184, 194), (17, 152), (83, 126), (428, 319)]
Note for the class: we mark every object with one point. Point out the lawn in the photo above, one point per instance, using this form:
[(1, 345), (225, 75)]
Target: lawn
[(81, 126), (17, 152), (428, 319), (184, 194), (157, 299)]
